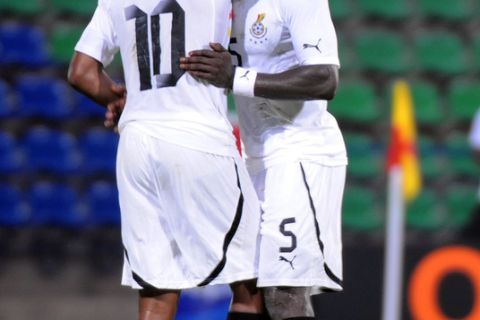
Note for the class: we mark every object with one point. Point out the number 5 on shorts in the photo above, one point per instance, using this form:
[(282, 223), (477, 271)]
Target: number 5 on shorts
[(289, 234)]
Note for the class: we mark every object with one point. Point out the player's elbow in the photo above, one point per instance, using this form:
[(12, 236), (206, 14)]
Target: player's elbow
[(84, 80), (330, 89), (326, 84), (75, 76), (83, 72)]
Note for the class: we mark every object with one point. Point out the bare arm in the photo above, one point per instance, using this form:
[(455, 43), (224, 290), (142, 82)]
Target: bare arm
[(312, 82), (87, 76)]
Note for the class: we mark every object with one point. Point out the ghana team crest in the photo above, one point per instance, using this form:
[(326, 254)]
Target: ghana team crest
[(258, 29)]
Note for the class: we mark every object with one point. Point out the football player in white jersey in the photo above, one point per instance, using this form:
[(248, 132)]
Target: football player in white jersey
[(190, 215), (296, 156)]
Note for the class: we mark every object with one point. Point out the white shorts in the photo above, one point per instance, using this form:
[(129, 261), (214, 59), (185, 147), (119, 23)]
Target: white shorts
[(189, 218), (301, 225)]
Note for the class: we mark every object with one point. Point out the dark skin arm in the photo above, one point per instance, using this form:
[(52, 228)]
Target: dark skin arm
[(312, 82), (114, 111), (88, 76)]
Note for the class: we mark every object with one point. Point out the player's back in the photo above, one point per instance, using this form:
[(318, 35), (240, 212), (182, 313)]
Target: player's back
[(152, 36)]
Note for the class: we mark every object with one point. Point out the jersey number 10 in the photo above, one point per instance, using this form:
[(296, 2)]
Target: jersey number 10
[(145, 44)]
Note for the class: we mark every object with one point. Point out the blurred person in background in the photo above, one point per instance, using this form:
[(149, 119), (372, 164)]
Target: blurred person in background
[(472, 229), (190, 216), (296, 156)]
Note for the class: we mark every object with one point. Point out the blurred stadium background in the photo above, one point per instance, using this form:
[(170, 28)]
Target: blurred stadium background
[(60, 254)]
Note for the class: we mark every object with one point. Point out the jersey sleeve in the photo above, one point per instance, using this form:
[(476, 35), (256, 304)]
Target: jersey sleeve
[(99, 40), (311, 29)]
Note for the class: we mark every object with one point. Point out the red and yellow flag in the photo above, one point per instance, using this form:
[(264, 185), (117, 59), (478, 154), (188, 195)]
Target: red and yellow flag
[(402, 150)]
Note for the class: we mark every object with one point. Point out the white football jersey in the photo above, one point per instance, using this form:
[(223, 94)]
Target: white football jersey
[(271, 36), (152, 35)]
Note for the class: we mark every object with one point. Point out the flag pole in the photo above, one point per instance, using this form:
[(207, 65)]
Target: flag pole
[(404, 183), (395, 233)]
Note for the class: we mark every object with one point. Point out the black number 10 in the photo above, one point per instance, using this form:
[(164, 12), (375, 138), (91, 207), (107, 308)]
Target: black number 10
[(143, 47)]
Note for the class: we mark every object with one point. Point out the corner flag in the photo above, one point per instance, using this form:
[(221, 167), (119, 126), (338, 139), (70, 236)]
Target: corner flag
[(404, 184), (402, 149)]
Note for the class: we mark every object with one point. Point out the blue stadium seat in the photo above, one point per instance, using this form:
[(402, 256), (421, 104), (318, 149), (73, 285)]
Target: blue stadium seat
[(13, 210), (87, 108), (7, 108), (50, 150), (55, 205), (102, 202), (204, 304), (10, 156), (99, 149), (46, 97), (22, 45)]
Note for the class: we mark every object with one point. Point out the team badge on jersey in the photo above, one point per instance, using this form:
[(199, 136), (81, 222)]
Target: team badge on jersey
[(258, 29)]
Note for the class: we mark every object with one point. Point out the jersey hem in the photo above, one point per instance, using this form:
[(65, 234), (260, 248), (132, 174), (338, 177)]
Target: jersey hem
[(322, 61), (191, 283), (227, 151), (257, 165)]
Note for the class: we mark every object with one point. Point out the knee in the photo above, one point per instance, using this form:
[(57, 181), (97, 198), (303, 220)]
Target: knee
[(155, 304), (246, 297), (288, 302)]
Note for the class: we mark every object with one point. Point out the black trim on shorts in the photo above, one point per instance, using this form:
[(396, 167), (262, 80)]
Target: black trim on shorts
[(142, 283), (328, 271), (228, 237)]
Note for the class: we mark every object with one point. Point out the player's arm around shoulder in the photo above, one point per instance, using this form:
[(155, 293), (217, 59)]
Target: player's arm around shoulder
[(308, 82)]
